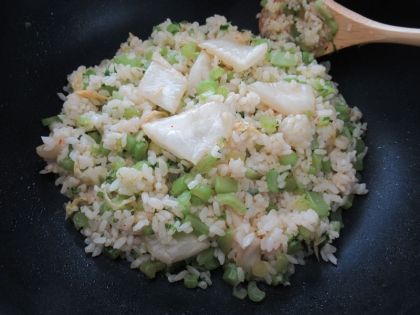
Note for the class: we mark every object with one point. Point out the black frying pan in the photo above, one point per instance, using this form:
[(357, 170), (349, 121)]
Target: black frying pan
[(43, 267)]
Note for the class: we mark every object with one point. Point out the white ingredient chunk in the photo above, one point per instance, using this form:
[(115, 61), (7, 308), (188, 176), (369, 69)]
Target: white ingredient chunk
[(239, 57), (200, 71), (192, 134), (163, 86), (286, 98)]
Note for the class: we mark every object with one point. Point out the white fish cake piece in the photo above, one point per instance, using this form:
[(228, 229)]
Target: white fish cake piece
[(286, 98), (163, 86), (239, 57), (192, 134)]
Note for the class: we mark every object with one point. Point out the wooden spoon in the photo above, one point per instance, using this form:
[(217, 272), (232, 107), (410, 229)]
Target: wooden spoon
[(354, 29)]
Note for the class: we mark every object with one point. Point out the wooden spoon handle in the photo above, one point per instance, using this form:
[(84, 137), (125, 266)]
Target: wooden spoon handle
[(355, 29)]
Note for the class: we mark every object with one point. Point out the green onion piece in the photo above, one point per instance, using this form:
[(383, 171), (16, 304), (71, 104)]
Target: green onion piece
[(224, 27), (205, 164), (263, 3), (324, 121), (184, 198), (149, 55), (148, 268), (358, 165), (148, 230), (80, 220), (323, 10), (294, 246), (197, 225), (226, 241), (349, 202), (269, 124), (271, 179), (344, 117), (260, 41), (289, 159), (173, 28), (232, 201), (202, 191), (222, 90), (223, 185), (318, 203), (48, 121), (68, 164), (230, 76), (188, 50), (140, 150), (164, 51), (95, 136), (304, 232), (307, 58), (252, 174), (111, 253), (104, 208), (207, 86), (83, 121), (132, 112), (255, 294), (230, 275), (333, 28), (326, 166), (279, 59), (342, 109), (171, 58), (212, 264), (216, 73), (179, 186), (116, 165), (155, 148), (259, 269), (360, 146), (346, 133), (302, 205), (271, 206), (290, 185), (139, 165), (123, 59), (337, 219), (312, 170), (293, 31), (239, 292), (316, 160), (190, 281), (195, 201), (281, 262), (205, 256)]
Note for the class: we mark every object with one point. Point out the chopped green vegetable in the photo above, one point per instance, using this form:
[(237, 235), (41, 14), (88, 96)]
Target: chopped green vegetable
[(188, 50), (68, 164), (125, 60), (255, 294), (271, 179), (289, 159), (132, 112), (281, 262), (349, 202), (358, 165), (190, 281), (294, 246), (205, 164), (216, 73), (48, 121), (223, 185), (230, 274), (239, 292), (173, 28), (290, 185), (252, 174), (202, 191), (317, 160), (232, 201), (222, 90), (360, 146), (226, 241), (171, 58), (224, 27), (179, 186), (184, 198), (269, 124), (197, 225), (303, 204), (205, 256), (305, 233), (148, 230), (212, 264), (307, 58), (80, 220), (259, 269), (83, 121), (284, 59), (111, 253), (318, 203), (326, 166), (272, 206), (148, 268), (323, 10), (207, 86)]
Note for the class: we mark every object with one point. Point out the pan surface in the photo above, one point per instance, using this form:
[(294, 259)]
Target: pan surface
[(43, 267)]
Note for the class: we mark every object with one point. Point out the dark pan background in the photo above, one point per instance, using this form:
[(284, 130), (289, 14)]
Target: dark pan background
[(43, 267)]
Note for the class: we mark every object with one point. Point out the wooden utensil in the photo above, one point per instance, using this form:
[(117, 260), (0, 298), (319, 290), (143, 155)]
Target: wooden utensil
[(354, 29)]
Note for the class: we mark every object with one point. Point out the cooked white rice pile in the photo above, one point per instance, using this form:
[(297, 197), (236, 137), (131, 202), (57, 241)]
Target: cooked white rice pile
[(280, 140)]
